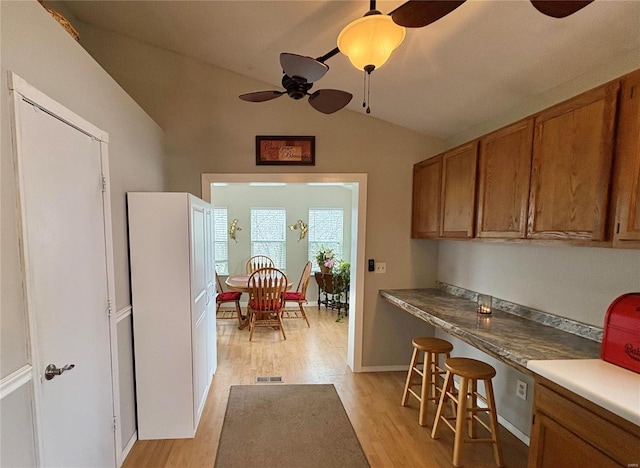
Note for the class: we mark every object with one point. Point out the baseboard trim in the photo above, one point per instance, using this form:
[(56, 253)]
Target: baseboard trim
[(524, 438), (404, 368), (127, 449)]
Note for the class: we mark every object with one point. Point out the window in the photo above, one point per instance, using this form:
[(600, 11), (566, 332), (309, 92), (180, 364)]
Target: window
[(325, 229), (268, 234), (221, 240)]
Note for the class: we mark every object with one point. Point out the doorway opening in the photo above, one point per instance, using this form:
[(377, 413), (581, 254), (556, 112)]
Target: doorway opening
[(357, 183)]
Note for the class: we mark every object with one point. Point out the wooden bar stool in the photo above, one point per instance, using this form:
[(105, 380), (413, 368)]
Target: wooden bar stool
[(469, 371), (430, 372)]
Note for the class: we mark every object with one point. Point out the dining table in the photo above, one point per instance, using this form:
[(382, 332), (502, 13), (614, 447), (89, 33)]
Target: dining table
[(240, 283)]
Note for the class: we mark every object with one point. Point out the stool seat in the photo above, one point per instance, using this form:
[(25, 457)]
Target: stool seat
[(432, 345), (428, 372), (470, 368)]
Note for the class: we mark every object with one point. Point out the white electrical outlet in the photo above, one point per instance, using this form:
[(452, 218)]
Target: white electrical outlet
[(521, 390), (381, 267)]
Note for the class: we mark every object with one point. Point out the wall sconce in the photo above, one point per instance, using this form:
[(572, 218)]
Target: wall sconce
[(303, 229), (233, 227)]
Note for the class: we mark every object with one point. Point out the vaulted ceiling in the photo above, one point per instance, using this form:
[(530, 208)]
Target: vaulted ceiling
[(477, 62)]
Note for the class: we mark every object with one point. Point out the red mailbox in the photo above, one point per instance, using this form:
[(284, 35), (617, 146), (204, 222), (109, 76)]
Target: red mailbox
[(621, 342)]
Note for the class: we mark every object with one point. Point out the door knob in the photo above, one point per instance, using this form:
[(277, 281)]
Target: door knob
[(51, 371)]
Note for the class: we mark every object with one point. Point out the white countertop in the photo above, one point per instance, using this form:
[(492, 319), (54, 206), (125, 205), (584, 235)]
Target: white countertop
[(612, 387)]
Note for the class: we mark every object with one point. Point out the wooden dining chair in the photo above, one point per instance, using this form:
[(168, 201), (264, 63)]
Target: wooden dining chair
[(225, 297), (258, 261), (266, 290), (299, 295)]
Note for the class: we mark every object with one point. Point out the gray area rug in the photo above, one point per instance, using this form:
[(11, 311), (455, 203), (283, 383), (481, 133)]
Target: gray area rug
[(287, 426)]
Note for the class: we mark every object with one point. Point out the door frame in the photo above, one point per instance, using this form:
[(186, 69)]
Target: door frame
[(20, 89), (358, 231)]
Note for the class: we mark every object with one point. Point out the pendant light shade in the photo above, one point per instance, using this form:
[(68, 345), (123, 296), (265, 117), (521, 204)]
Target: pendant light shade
[(369, 41)]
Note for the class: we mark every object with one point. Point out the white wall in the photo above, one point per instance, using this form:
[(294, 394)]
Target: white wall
[(34, 46), (210, 130), (574, 282)]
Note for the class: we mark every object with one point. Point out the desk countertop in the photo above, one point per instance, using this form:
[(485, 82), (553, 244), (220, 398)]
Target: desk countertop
[(531, 347), (510, 338)]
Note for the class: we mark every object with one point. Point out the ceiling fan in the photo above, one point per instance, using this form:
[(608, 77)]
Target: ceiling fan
[(419, 13), (300, 72)]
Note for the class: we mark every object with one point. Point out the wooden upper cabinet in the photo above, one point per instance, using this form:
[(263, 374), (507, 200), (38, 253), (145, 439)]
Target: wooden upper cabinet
[(504, 168), (626, 231), (459, 191), (427, 177), (571, 168)]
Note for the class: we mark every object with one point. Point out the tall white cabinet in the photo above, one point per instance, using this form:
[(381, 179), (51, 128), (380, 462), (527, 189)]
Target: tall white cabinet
[(173, 299)]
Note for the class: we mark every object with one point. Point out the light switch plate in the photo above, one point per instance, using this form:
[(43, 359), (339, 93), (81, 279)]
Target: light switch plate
[(381, 267)]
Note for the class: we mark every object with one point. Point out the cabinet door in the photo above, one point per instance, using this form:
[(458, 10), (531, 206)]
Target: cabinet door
[(459, 191), (627, 193), (503, 181), (198, 247), (553, 446), (427, 176), (569, 430), (571, 169), (200, 367)]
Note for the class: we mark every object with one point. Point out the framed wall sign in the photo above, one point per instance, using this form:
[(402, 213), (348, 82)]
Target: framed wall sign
[(286, 150)]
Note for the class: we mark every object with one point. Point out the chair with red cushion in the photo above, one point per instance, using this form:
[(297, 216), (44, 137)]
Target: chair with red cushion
[(299, 295), (266, 290), (225, 297)]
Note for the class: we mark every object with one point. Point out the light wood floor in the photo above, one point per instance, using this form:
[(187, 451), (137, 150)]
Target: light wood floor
[(389, 433)]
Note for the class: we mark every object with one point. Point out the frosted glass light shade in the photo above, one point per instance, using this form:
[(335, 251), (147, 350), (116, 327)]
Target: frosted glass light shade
[(370, 40)]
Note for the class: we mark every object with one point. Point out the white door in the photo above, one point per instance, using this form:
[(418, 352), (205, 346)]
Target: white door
[(65, 255)]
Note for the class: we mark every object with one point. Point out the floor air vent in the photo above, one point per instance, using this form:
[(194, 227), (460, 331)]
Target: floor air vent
[(268, 379)]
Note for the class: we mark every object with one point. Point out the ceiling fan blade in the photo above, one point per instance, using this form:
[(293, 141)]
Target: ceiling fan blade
[(419, 13), (301, 66), (559, 8), (329, 101), (261, 96)]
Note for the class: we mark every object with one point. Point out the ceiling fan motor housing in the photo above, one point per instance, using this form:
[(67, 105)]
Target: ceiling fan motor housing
[(296, 87)]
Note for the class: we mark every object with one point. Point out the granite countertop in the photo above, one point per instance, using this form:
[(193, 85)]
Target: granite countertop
[(512, 339)]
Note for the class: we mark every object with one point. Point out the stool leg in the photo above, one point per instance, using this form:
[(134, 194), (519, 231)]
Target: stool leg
[(473, 403), (453, 404), (414, 359), (448, 383), (493, 422), (433, 370), (460, 421), (424, 391)]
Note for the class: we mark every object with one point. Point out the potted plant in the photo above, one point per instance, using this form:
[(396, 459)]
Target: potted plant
[(341, 281), (325, 258)]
